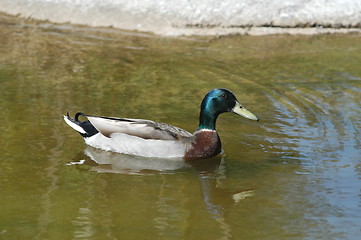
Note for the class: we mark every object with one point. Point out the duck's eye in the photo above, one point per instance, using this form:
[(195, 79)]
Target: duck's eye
[(223, 95)]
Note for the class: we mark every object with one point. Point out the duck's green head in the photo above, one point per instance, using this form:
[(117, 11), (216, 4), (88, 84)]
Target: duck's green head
[(218, 101)]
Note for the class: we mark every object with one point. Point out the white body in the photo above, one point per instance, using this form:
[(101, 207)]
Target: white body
[(132, 145)]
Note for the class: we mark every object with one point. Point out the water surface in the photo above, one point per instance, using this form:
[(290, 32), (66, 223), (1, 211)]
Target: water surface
[(296, 174)]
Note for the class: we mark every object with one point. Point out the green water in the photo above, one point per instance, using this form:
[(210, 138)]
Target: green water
[(296, 174)]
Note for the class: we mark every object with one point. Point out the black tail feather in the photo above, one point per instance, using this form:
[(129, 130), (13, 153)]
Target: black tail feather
[(88, 128), (77, 116)]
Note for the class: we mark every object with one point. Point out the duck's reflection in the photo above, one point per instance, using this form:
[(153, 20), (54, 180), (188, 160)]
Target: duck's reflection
[(211, 172), (102, 161), (121, 163)]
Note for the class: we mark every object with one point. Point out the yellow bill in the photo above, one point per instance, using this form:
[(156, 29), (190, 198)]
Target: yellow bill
[(240, 110)]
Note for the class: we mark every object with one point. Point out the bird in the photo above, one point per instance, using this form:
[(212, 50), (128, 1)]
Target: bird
[(146, 138)]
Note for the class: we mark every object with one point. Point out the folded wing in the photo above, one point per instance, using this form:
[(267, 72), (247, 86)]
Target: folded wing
[(138, 127)]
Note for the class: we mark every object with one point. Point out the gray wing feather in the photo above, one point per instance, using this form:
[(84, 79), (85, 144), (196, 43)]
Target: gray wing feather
[(138, 127)]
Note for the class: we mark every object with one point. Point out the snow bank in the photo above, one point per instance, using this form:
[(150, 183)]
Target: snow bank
[(175, 17)]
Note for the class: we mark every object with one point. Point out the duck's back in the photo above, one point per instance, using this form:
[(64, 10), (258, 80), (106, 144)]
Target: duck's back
[(146, 129)]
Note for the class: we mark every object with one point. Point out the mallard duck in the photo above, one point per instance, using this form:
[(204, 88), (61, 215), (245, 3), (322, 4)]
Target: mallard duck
[(147, 138)]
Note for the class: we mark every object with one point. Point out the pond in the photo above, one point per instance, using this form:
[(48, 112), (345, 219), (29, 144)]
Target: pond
[(295, 174)]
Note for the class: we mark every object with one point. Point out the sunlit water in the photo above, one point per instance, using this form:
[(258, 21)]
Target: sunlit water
[(296, 174)]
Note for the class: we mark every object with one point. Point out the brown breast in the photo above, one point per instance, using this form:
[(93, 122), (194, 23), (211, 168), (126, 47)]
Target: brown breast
[(206, 144)]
